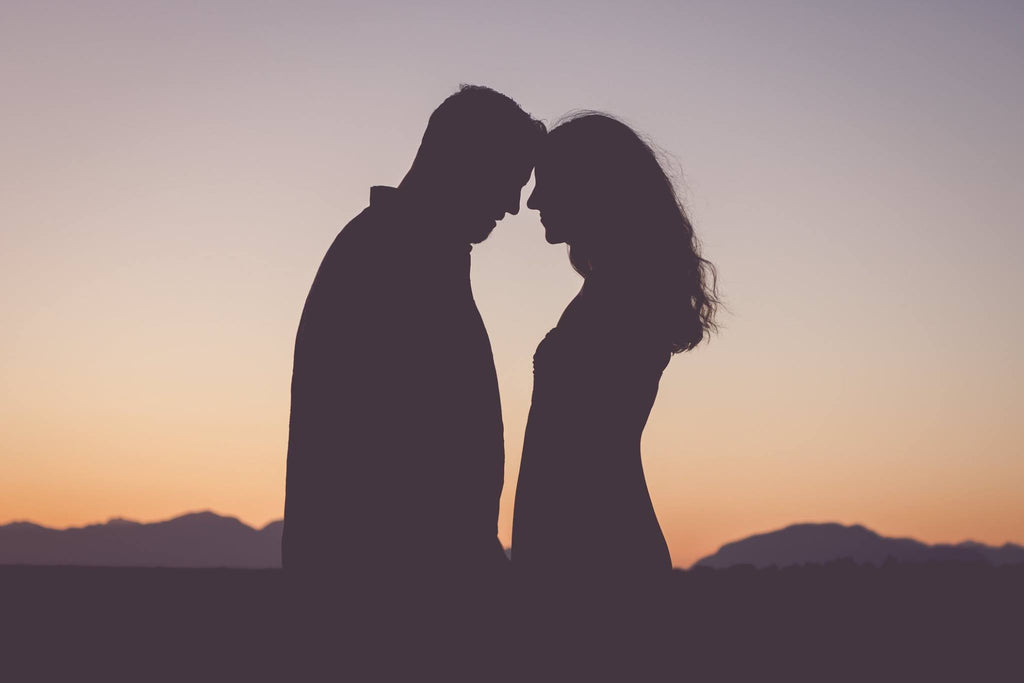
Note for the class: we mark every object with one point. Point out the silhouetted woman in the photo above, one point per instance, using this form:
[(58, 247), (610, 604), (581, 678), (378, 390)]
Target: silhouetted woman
[(582, 508)]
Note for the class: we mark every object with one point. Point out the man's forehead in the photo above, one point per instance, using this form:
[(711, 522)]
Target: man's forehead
[(526, 159), (525, 167)]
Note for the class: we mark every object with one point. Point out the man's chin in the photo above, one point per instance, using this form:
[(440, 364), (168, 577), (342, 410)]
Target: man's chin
[(482, 231)]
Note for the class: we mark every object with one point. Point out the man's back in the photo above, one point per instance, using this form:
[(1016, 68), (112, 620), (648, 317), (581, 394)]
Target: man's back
[(395, 452)]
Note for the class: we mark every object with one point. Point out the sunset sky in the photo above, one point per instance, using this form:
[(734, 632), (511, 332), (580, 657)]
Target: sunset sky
[(171, 174)]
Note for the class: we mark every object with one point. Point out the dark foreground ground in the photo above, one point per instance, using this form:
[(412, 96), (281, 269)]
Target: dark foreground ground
[(839, 621)]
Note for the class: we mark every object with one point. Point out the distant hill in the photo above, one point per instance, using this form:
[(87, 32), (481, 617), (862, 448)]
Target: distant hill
[(820, 543), (206, 539), (201, 539)]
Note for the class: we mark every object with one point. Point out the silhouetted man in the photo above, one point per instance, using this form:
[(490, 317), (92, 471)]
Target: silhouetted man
[(395, 449)]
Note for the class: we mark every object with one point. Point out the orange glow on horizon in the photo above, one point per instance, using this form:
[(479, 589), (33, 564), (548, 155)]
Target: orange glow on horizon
[(165, 210)]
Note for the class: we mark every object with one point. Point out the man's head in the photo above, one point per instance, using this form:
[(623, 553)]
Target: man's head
[(476, 155)]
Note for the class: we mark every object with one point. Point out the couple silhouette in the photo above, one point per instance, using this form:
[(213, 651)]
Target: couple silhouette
[(396, 444)]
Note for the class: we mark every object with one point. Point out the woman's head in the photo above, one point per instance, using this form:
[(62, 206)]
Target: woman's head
[(601, 189)]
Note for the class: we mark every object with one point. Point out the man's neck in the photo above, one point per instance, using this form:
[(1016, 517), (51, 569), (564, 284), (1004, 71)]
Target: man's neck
[(429, 217), (422, 195), (427, 202)]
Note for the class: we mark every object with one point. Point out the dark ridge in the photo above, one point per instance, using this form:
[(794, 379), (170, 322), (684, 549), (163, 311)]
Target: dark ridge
[(197, 539), (820, 543)]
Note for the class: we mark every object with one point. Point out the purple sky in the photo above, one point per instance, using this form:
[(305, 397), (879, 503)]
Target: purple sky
[(172, 173)]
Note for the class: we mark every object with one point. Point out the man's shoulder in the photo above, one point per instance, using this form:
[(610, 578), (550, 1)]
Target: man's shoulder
[(370, 250), (362, 232), (362, 241)]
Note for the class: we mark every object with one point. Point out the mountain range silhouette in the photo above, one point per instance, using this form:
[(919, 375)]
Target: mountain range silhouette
[(206, 539), (200, 539), (819, 543)]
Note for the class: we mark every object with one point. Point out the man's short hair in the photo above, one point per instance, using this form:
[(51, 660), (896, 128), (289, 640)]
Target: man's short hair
[(476, 115)]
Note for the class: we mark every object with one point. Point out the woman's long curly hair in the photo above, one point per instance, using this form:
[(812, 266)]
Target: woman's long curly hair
[(637, 221)]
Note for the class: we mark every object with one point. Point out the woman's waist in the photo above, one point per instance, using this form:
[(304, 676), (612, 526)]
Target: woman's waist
[(609, 431), (587, 462)]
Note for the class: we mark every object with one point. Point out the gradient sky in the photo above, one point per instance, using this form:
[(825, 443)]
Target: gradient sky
[(172, 173)]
